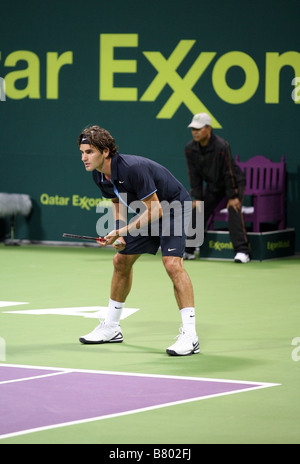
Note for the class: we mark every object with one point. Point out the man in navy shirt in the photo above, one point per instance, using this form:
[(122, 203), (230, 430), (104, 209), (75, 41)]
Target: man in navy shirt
[(136, 181)]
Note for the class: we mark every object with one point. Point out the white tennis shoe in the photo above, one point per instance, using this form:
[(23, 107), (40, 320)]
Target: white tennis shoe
[(242, 258), (103, 333), (186, 344)]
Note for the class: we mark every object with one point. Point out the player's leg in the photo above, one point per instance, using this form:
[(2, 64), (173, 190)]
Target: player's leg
[(122, 276), (183, 288), (187, 342), (173, 246), (109, 330)]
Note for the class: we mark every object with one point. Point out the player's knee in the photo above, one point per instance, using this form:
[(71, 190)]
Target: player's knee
[(173, 265), (119, 263), (122, 263)]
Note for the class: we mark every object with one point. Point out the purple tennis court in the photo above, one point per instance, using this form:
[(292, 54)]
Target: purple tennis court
[(36, 398)]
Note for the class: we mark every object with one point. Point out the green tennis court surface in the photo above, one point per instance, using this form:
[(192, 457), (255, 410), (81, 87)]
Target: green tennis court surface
[(248, 322)]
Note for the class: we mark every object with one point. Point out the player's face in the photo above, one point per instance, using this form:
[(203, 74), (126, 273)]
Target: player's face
[(92, 157)]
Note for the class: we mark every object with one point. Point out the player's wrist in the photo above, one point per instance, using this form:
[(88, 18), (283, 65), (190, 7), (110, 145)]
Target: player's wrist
[(122, 232)]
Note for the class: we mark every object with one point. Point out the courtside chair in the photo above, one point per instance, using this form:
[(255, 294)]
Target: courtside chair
[(265, 184)]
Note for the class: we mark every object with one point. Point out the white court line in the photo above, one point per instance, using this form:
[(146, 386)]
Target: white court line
[(139, 374), (35, 377), (255, 386)]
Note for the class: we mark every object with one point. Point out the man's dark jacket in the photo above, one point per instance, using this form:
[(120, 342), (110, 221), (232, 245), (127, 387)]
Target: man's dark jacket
[(214, 165)]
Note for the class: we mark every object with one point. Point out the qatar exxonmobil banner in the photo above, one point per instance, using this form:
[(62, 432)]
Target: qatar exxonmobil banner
[(140, 70), (212, 63)]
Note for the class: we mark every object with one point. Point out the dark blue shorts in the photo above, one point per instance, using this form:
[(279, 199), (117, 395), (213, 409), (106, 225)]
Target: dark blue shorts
[(169, 234), (170, 246)]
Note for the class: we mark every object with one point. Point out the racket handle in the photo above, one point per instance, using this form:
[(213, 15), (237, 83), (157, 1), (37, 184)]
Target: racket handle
[(102, 240)]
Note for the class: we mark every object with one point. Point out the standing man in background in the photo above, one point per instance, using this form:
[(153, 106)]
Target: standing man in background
[(209, 160)]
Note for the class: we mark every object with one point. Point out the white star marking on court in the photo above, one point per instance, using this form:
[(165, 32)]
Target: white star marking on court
[(93, 312)]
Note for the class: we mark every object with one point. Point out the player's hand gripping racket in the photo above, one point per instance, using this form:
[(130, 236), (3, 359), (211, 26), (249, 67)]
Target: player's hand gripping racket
[(99, 240)]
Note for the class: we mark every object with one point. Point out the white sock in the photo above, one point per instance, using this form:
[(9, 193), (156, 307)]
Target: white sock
[(188, 320), (114, 313)]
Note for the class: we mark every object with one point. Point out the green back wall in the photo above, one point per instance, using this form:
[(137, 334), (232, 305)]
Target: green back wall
[(140, 69)]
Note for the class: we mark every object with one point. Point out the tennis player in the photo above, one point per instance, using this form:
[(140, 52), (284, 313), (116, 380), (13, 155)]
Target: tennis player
[(128, 179)]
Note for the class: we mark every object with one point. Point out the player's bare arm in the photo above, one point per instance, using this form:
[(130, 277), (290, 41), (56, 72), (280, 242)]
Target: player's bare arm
[(152, 212), (119, 215)]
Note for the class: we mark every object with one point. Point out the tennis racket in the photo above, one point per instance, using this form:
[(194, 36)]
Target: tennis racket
[(88, 237)]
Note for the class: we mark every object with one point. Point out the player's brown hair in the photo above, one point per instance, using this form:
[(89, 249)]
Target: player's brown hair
[(99, 138)]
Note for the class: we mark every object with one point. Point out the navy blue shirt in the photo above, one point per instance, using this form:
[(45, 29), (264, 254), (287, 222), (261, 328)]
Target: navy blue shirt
[(139, 178)]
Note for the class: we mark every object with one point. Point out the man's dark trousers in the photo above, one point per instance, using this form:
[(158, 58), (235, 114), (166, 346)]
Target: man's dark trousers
[(236, 223)]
